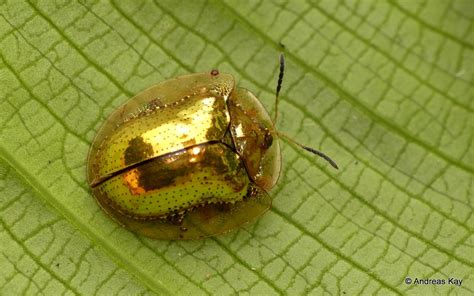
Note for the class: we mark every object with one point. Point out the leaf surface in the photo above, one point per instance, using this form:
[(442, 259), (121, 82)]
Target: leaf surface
[(383, 87)]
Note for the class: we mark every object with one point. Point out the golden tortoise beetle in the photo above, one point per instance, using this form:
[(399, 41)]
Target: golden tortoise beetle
[(188, 158)]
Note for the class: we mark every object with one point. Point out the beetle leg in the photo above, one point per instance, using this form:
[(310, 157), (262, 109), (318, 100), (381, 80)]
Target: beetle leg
[(177, 218)]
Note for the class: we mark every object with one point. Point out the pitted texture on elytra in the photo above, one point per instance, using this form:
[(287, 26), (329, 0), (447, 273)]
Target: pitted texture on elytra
[(199, 175), (198, 119), (189, 109)]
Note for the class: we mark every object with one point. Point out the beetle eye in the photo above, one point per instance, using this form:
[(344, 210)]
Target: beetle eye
[(267, 141)]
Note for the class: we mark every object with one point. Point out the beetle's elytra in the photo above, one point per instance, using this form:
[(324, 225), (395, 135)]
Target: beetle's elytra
[(188, 158)]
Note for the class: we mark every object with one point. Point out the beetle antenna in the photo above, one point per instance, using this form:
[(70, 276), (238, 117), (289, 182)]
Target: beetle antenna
[(312, 150), (279, 84)]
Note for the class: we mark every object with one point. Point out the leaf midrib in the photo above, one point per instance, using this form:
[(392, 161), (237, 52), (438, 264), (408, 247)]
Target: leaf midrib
[(29, 179)]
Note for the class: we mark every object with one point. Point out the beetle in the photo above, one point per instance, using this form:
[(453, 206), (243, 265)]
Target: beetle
[(188, 158)]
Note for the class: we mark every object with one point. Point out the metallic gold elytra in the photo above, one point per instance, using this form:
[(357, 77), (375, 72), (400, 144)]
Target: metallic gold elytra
[(138, 121), (203, 174), (198, 119), (187, 158), (201, 222)]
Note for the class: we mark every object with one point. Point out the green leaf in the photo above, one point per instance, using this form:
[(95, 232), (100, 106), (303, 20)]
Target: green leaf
[(386, 88)]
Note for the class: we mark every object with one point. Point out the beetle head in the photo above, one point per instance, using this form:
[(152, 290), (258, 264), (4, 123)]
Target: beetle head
[(254, 138)]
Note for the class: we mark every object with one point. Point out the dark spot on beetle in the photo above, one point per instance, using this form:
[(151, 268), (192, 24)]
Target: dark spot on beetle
[(176, 218), (137, 150), (214, 72), (267, 140)]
